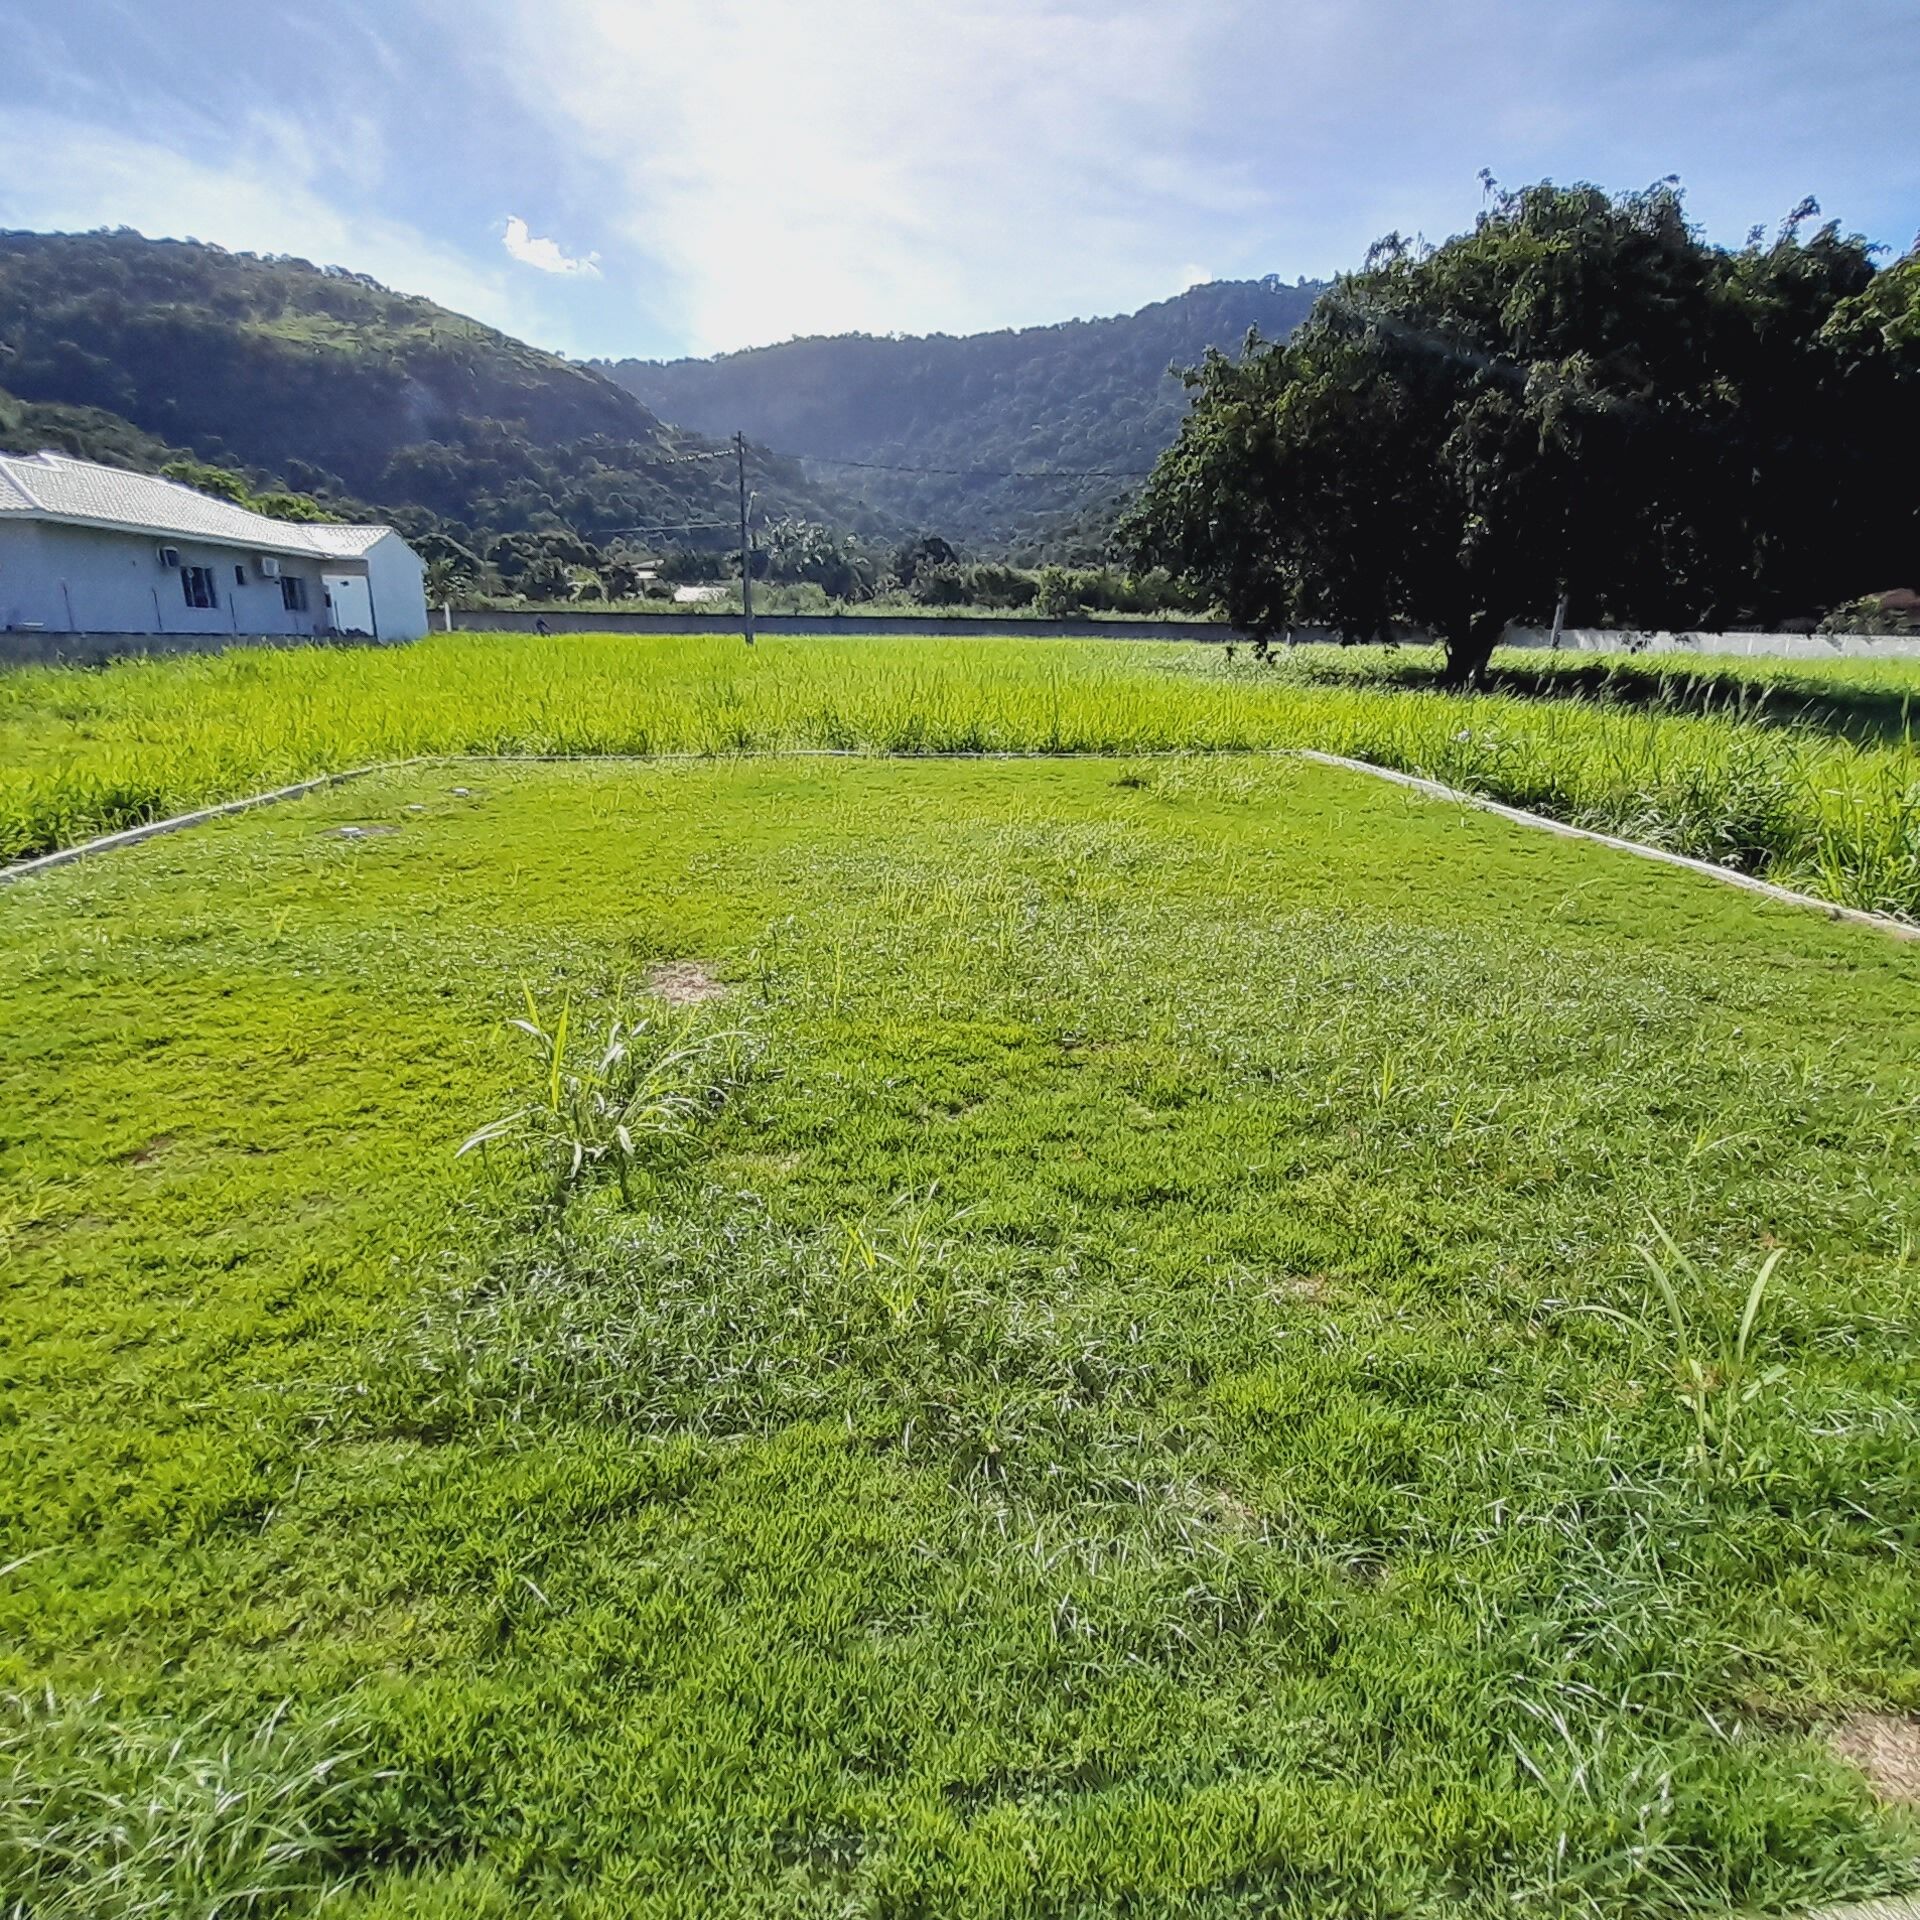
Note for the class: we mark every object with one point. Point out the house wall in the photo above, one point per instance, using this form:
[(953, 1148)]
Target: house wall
[(350, 604), (397, 578), (94, 580)]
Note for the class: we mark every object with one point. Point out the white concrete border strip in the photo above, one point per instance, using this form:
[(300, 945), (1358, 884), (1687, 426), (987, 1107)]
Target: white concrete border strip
[(152, 829), (1417, 783), (1899, 1907), (1434, 790)]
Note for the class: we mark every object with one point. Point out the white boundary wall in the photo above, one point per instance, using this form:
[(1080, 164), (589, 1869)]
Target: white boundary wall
[(1768, 646)]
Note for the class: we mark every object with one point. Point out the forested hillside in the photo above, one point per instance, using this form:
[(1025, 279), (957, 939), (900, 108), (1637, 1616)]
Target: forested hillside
[(514, 463), (89, 433), (125, 348), (1083, 395)]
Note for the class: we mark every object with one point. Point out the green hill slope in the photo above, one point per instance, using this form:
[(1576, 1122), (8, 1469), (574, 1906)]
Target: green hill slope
[(325, 381), (1086, 394), (88, 433)]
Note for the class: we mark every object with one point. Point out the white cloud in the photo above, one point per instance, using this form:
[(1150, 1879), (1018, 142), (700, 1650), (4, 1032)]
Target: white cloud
[(268, 197), (532, 251), (841, 164), (888, 165)]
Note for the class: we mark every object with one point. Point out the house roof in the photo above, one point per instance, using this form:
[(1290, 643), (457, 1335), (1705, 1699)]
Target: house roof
[(352, 541), (55, 486)]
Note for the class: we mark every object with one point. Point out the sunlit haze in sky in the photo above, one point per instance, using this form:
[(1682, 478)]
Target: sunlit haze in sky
[(659, 177)]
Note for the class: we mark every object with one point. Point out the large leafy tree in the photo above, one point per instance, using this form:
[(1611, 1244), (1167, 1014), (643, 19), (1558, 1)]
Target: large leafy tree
[(1580, 396), (806, 550)]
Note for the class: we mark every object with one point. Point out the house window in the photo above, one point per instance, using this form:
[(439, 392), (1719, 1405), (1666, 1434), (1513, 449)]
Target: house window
[(293, 593), (197, 584), (239, 576)]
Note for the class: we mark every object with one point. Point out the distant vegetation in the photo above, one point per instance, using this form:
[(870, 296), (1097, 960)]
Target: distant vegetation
[(1084, 395), (88, 433), (801, 566), (1579, 398), (232, 486), (1894, 613)]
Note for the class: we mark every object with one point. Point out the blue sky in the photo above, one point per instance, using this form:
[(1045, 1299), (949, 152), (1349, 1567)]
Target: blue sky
[(685, 176)]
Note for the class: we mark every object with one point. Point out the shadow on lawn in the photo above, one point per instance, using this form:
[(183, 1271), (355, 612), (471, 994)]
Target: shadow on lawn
[(1866, 715)]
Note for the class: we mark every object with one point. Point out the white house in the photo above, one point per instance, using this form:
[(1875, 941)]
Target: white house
[(87, 549)]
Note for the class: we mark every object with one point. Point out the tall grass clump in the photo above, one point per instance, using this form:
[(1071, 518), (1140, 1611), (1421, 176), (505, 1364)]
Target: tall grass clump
[(1811, 805), (106, 1817), (631, 1100), (1709, 1351)]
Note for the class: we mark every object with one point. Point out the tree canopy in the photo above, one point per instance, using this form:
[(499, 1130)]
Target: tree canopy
[(1580, 397)]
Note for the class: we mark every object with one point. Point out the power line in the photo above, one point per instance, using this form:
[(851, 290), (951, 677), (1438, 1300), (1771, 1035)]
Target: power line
[(667, 526), (982, 473), (949, 473)]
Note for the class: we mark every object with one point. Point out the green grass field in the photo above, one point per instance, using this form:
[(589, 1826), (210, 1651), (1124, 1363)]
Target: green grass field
[(1149, 1397), (1807, 774)]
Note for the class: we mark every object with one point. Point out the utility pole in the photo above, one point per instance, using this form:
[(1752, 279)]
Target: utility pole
[(746, 552)]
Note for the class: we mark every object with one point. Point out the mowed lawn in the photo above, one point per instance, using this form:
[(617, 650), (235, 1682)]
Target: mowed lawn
[(1151, 1398), (1806, 773)]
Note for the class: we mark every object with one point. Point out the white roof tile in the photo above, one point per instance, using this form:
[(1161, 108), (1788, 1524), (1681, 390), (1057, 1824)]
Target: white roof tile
[(352, 541), (54, 486)]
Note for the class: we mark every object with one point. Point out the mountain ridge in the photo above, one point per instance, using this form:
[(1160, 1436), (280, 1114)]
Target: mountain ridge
[(327, 382), (1094, 401), (1017, 443)]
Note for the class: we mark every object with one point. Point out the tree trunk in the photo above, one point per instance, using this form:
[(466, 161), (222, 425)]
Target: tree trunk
[(1469, 647)]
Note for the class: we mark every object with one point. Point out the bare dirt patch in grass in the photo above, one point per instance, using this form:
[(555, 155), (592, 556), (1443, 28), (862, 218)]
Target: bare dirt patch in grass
[(1229, 1510), (1301, 1286), (1886, 1748), (684, 983)]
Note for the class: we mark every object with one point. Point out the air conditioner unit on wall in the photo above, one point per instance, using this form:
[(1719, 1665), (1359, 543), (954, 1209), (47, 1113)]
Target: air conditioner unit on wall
[(269, 567), (168, 556)]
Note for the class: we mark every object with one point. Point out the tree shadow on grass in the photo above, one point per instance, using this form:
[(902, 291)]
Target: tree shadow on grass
[(1766, 692)]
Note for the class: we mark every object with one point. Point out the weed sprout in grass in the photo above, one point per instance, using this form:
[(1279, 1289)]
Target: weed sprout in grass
[(904, 1255), (1711, 1365), (1714, 1376), (633, 1099)]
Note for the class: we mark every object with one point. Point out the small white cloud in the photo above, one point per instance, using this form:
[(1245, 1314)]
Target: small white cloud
[(854, 183), (1191, 277), (97, 175), (532, 251)]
